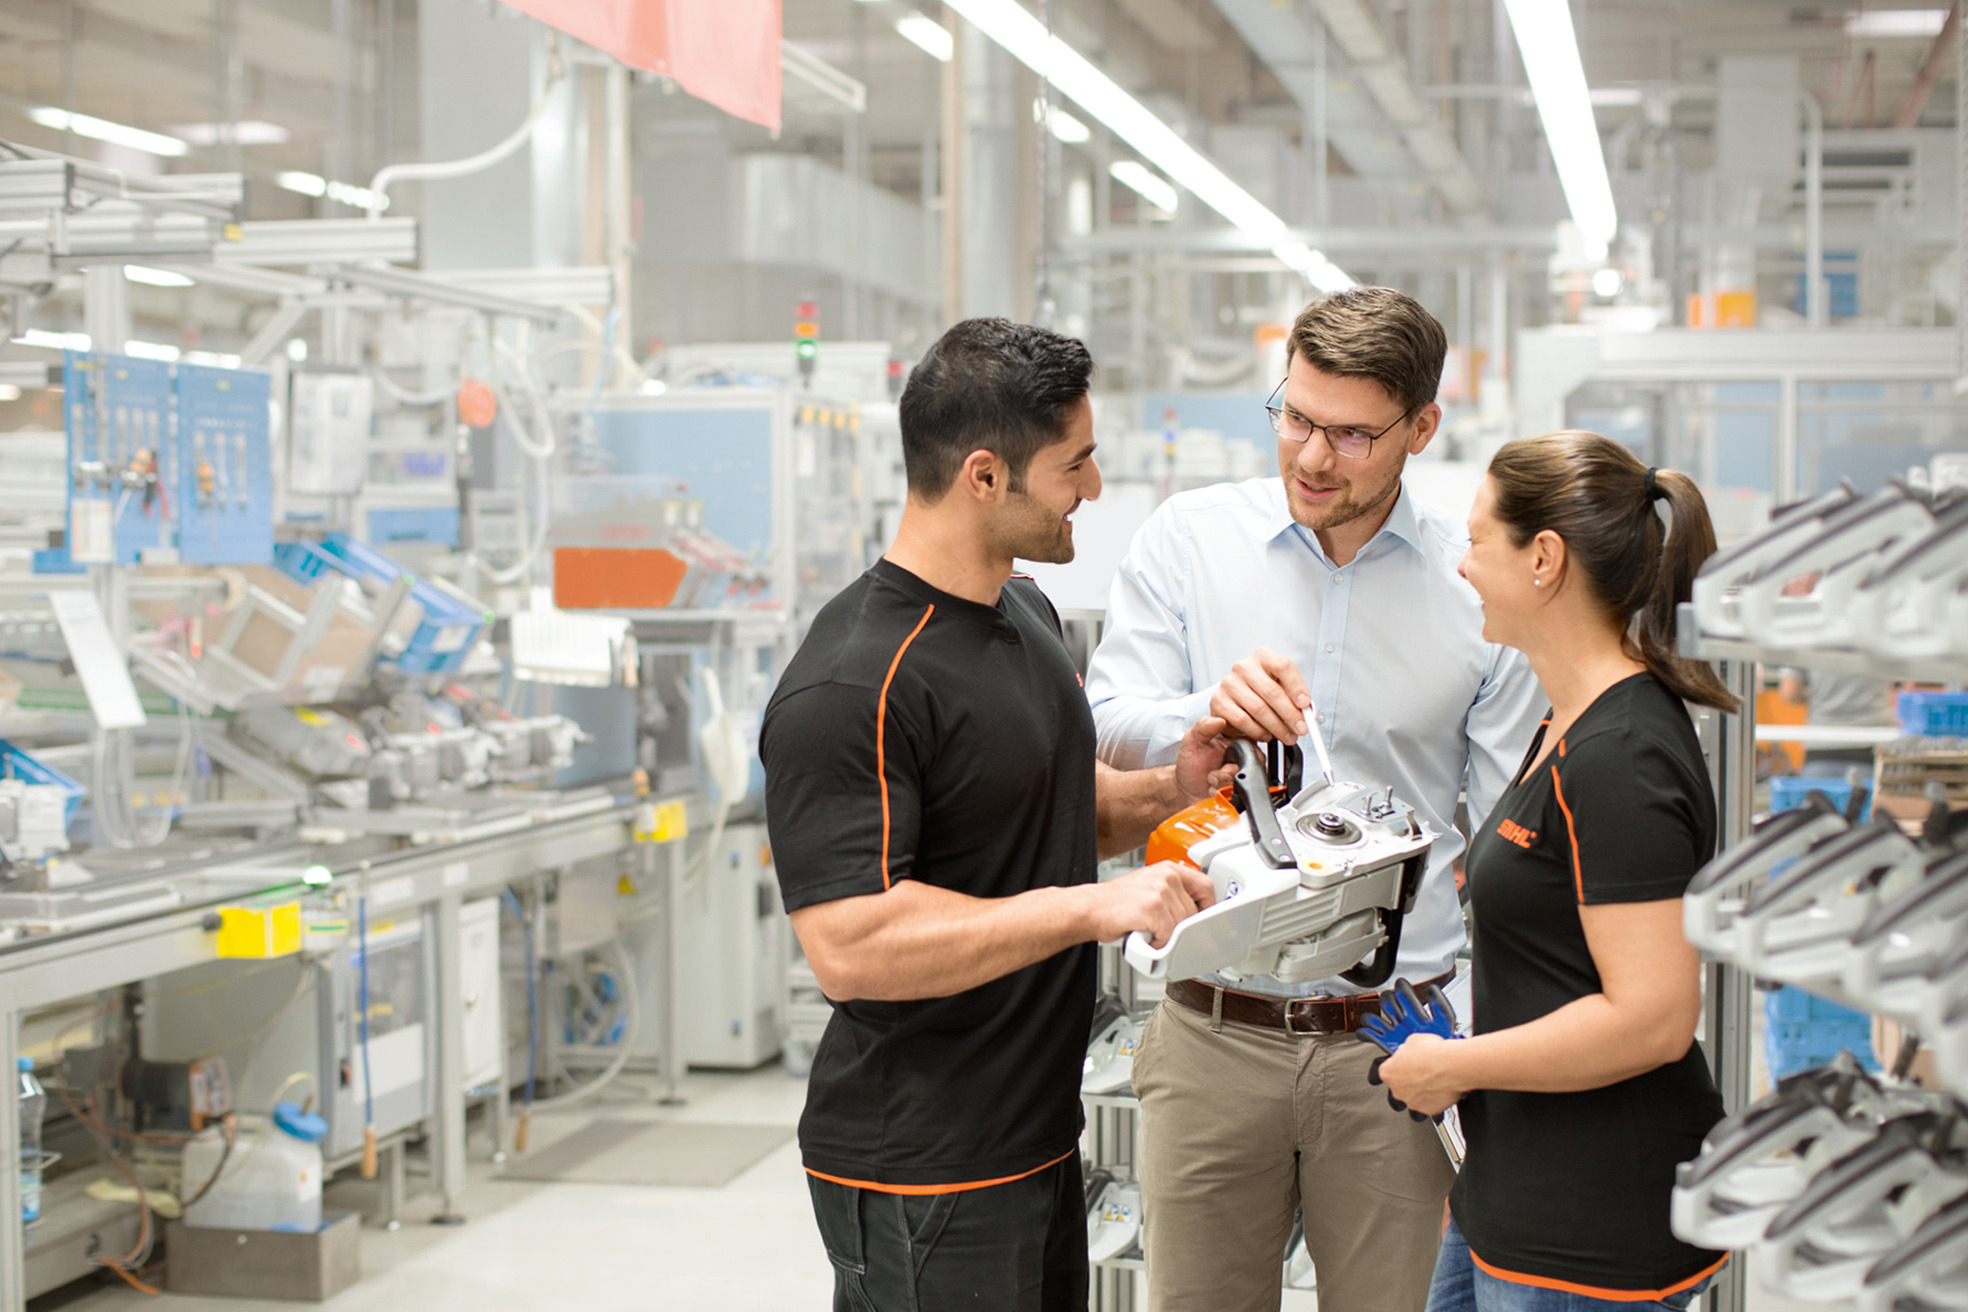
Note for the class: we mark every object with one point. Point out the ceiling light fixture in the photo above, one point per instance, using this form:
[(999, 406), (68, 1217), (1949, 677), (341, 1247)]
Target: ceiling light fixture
[(53, 341), (1064, 126), (1551, 61), (1011, 26), (155, 277), (101, 129), (928, 35), (246, 132), (1135, 175), (1896, 22), (313, 184)]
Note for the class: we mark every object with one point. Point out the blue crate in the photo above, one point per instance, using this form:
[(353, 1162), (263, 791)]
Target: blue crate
[(16, 764), (435, 524), (1934, 714), (448, 627), (1787, 793), (1802, 1030), (1790, 1046)]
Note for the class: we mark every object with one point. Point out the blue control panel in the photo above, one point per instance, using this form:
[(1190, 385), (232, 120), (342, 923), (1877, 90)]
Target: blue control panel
[(120, 412), (167, 458), (225, 471)]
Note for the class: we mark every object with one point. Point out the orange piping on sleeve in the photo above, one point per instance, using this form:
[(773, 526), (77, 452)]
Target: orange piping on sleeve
[(881, 735), (1571, 831)]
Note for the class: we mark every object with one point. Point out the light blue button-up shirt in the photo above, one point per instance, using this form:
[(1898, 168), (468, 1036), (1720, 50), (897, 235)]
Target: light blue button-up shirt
[(1405, 690)]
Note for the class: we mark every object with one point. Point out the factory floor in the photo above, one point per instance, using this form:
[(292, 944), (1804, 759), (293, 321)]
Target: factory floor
[(747, 1247)]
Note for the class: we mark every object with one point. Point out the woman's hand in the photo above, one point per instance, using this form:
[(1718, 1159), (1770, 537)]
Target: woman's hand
[(1420, 1074)]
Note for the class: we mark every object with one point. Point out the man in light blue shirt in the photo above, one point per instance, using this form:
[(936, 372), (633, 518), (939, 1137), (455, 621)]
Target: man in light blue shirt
[(1326, 600)]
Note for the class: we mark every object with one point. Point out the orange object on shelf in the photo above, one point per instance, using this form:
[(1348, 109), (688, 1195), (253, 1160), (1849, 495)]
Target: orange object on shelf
[(616, 578), (477, 406)]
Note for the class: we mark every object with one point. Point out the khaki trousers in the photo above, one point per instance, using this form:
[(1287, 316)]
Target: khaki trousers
[(1241, 1128)]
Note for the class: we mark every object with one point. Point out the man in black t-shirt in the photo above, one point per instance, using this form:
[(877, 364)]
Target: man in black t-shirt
[(936, 814)]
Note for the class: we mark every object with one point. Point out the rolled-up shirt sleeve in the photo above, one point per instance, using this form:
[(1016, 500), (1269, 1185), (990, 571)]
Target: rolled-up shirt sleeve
[(1139, 681)]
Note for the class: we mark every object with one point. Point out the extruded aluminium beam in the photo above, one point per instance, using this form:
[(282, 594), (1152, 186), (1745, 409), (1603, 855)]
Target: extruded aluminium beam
[(417, 287), (320, 241)]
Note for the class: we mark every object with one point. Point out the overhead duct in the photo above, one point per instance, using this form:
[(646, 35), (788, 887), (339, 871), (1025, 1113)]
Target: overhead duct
[(1367, 90)]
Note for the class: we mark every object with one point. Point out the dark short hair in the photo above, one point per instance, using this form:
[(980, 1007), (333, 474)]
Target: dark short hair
[(990, 385), (1377, 333)]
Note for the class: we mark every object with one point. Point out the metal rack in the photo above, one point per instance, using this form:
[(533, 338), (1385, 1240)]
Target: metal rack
[(1729, 741)]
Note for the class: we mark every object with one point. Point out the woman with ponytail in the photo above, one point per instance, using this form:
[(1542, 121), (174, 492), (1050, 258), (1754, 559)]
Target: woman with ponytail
[(1583, 1086)]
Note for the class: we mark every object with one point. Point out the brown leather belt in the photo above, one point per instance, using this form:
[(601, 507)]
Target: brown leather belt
[(1300, 1016)]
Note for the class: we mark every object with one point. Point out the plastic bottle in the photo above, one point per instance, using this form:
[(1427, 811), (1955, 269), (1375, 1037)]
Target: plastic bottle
[(33, 1109), (272, 1181)]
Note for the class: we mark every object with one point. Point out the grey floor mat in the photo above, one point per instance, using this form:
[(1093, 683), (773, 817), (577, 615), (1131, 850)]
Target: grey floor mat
[(694, 1154)]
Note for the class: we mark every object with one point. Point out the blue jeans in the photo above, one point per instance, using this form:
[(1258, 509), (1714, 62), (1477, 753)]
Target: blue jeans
[(1462, 1286)]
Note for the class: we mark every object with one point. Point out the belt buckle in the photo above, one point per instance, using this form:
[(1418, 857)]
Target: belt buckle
[(1290, 1028)]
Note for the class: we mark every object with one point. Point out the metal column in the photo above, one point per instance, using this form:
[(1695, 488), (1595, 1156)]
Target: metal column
[(673, 1022), (441, 922), (1731, 741), (13, 1259)]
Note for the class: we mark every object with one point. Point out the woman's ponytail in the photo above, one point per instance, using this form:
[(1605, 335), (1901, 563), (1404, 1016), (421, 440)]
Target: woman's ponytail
[(1598, 497)]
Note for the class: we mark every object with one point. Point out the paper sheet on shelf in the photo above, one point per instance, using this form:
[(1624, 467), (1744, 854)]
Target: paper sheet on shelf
[(98, 660)]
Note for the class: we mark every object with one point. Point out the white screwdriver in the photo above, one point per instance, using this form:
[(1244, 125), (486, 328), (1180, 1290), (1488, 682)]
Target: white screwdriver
[(1319, 742)]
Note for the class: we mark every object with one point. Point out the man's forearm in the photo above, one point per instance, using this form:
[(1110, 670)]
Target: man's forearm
[(1131, 803), (920, 941)]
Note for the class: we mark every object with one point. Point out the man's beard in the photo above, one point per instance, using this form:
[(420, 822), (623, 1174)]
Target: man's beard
[(1342, 510), (1029, 531)]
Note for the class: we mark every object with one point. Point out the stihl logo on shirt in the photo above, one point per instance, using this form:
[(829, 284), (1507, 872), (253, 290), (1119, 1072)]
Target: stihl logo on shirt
[(1516, 833)]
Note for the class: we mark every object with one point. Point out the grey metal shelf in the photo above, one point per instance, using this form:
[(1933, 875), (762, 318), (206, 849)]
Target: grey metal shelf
[(1950, 668)]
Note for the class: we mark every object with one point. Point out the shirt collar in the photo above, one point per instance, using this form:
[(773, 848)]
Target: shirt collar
[(1402, 521)]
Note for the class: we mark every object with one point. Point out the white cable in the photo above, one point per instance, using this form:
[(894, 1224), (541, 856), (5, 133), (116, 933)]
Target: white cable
[(624, 358), (632, 1018), (404, 396), (541, 445), (380, 184)]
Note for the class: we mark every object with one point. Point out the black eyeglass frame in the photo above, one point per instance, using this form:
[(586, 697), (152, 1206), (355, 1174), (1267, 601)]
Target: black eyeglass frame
[(1277, 413)]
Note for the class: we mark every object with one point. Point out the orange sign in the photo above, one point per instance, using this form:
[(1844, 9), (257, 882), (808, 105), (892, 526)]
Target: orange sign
[(722, 51)]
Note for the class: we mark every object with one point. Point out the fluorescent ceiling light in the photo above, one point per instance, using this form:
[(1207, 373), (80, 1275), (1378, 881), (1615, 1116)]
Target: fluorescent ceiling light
[(928, 35), (1134, 174), (218, 359), (101, 129), (10, 392), (307, 184), (247, 132), (1011, 26), (313, 184), (1064, 126), (1896, 22), (53, 341), (1551, 61), (155, 277), (152, 351)]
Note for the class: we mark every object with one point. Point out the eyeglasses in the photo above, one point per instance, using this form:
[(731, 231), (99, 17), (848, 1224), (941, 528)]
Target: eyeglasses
[(1353, 443)]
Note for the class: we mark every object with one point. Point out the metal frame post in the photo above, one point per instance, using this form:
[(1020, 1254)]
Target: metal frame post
[(13, 1240), (441, 922)]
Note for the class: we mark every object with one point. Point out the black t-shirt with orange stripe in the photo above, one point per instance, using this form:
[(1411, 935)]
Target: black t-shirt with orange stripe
[(917, 735), (1570, 1190)]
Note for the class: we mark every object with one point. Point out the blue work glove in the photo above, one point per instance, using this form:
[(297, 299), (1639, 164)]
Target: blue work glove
[(1403, 1014)]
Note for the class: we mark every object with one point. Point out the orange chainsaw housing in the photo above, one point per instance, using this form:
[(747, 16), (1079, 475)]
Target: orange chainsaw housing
[(1174, 837)]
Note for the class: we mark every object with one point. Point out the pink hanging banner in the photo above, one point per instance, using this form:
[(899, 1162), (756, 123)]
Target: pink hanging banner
[(725, 52)]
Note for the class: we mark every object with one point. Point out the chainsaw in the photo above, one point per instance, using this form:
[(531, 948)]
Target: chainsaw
[(1310, 882)]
